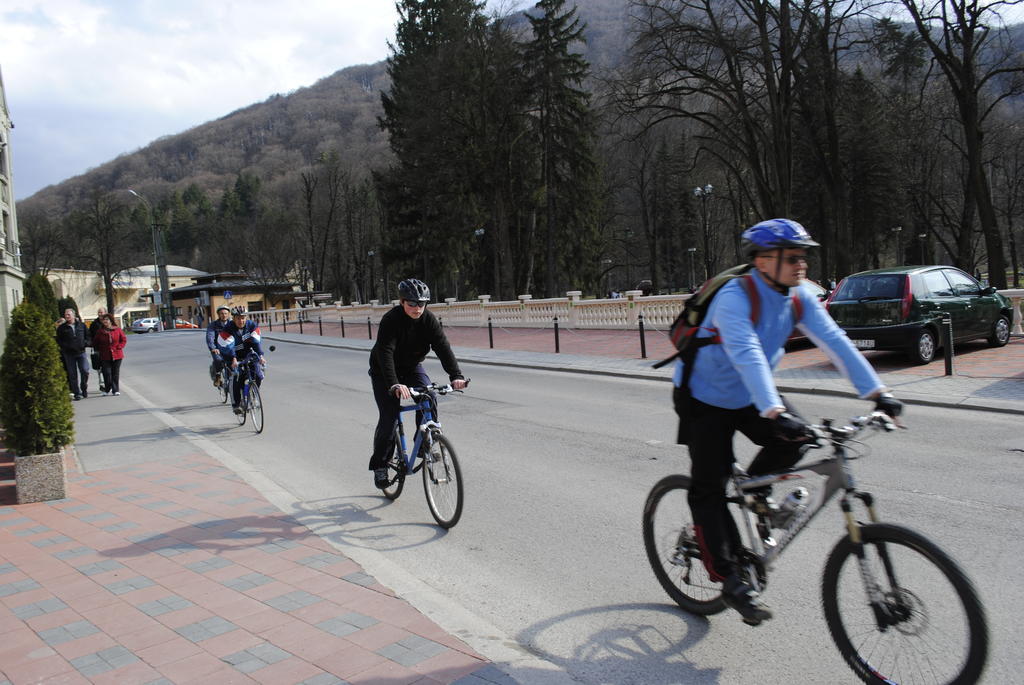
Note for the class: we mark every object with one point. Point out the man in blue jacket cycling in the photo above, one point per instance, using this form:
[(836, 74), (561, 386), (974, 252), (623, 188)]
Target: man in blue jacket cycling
[(731, 388), (239, 337)]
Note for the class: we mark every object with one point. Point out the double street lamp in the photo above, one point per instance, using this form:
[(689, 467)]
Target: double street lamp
[(899, 245), (165, 311), (702, 194)]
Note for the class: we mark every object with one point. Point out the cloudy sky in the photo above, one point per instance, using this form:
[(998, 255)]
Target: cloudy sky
[(87, 80)]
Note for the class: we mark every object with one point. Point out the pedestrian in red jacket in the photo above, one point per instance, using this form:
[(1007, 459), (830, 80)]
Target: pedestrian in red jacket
[(109, 341)]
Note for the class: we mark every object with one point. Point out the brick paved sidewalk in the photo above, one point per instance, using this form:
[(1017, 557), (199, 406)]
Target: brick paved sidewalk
[(177, 571)]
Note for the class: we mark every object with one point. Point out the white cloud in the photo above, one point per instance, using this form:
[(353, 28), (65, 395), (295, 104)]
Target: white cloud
[(86, 81)]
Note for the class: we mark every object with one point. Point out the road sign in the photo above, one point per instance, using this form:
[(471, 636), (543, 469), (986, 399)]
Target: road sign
[(227, 294)]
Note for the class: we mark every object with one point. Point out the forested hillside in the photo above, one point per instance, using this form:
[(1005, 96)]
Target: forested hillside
[(561, 150)]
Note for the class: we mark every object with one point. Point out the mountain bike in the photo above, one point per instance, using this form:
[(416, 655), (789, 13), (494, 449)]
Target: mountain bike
[(250, 401), (432, 453), (898, 608)]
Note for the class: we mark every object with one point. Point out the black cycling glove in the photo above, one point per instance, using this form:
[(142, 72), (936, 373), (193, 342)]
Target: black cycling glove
[(888, 405), (791, 427)]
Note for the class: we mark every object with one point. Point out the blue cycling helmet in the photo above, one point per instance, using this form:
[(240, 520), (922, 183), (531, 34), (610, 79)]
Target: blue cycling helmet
[(774, 234), (414, 290)]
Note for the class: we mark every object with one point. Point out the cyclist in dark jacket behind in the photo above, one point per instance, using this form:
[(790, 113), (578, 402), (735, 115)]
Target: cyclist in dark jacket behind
[(216, 326), (405, 336), (72, 339), (239, 337)]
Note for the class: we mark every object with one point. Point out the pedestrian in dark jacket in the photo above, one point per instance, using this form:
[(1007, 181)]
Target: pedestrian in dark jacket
[(94, 358), (109, 342), (72, 339)]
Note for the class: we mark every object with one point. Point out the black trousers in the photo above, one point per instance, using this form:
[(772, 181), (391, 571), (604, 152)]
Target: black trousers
[(77, 366), (709, 432), (389, 408), (111, 369)]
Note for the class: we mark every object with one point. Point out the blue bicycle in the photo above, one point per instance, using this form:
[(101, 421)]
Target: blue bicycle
[(431, 453), (250, 401)]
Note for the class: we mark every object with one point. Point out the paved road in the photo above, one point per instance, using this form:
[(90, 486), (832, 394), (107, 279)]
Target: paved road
[(548, 557)]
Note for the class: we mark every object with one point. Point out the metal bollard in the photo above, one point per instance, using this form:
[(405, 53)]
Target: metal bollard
[(490, 332), (341, 319), (284, 323), (300, 324), (643, 339), (270, 323), (320, 322), (369, 328), (947, 343), (557, 350)]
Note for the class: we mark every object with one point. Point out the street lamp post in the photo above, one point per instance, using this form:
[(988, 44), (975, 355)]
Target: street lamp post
[(921, 238), (703, 194), (373, 283), (899, 245), (692, 251), (165, 311)]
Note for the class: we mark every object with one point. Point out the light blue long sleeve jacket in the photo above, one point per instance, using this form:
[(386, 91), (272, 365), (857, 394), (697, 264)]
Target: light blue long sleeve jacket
[(738, 372)]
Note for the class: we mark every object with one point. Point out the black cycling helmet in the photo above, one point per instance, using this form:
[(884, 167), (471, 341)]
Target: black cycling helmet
[(774, 234), (414, 290), (238, 311), (224, 308)]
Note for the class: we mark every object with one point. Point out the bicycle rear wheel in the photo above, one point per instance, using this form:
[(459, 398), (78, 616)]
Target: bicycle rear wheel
[(396, 470), (672, 548), (934, 625), (256, 407), (442, 481)]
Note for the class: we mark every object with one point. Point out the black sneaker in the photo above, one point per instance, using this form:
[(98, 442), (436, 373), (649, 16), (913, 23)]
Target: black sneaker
[(745, 599), (236, 409), (380, 478), (77, 397), (85, 393)]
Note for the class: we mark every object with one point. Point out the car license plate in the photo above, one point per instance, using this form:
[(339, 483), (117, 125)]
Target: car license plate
[(864, 344)]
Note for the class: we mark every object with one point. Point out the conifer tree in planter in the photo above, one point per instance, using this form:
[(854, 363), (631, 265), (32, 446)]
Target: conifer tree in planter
[(34, 405), (39, 291)]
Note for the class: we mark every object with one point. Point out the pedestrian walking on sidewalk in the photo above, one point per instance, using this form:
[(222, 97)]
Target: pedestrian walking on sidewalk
[(94, 358), (109, 342), (72, 339), (405, 335)]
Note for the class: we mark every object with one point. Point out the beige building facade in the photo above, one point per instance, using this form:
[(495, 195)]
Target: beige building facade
[(12, 278)]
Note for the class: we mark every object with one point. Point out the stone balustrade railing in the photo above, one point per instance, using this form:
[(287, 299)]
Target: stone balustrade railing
[(620, 313)]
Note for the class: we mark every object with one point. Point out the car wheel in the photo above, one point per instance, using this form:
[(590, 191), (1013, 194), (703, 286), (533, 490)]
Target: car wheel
[(151, 330), (923, 349), (1000, 332)]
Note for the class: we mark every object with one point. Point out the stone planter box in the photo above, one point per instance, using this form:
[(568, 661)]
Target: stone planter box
[(40, 477)]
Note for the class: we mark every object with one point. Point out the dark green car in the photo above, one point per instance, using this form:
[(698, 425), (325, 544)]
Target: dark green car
[(900, 309)]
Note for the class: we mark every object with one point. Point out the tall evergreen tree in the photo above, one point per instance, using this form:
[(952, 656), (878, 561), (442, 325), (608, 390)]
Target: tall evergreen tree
[(39, 292), (565, 134), (430, 209)]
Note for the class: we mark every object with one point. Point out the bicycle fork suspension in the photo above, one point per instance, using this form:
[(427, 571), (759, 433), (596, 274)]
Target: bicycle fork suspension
[(877, 597)]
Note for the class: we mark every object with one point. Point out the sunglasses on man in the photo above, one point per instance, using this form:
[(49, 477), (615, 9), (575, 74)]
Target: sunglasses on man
[(415, 304), (792, 259)]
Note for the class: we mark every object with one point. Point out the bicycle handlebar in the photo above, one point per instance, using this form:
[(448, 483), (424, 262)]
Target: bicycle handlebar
[(416, 393), (830, 433)]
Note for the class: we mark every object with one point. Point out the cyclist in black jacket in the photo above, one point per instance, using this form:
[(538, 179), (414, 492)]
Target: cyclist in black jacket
[(405, 335)]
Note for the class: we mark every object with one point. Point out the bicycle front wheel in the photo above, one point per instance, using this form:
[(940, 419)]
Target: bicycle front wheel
[(672, 548), (396, 470), (224, 390), (442, 482), (256, 407), (930, 627), (243, 399)]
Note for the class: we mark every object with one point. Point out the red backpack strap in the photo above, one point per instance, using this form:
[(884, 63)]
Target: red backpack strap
[(798, 309), (755, 298)]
